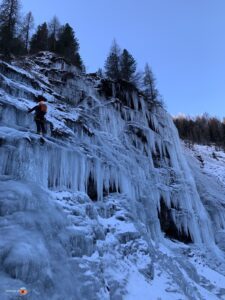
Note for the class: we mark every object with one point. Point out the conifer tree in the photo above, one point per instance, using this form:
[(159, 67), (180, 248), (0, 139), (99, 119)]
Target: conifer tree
[(68, 46), (78, 62), (39, 41), (127, 65), (100, 73), (9, 18), (53, 28), (28, 25), (149, 85), (112, 64)]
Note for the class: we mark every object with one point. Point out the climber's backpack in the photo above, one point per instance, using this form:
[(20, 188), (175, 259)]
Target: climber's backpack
[(43, 107)]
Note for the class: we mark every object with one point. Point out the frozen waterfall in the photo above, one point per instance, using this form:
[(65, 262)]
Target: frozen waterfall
[(110, 177)]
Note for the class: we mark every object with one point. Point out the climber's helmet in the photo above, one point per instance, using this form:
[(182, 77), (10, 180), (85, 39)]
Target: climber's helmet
[(40, 98)]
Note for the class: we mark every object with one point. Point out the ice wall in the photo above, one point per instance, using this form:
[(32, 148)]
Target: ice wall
[(125, 148), (98, 145)]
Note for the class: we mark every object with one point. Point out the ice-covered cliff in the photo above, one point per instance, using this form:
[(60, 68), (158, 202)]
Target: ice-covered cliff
[(108, 207)]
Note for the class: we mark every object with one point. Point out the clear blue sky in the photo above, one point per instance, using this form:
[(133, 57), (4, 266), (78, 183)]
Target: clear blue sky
[(183, 41)]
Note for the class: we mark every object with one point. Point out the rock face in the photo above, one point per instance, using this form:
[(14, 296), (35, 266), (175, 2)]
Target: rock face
[(107, 207)]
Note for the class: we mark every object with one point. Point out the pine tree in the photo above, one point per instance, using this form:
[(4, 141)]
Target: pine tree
[(100, 73), (149, 85), (53, 28), (78, 62), (9, 18), (112, 64), (28, 25), (127, 65), (39, 41), (68, 46)]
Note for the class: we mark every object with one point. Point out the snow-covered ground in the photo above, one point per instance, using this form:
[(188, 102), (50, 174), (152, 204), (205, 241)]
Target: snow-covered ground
[(111, 206), (213, 161)]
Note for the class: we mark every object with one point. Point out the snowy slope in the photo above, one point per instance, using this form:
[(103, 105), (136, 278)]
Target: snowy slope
[(213, 161), (110, 206)]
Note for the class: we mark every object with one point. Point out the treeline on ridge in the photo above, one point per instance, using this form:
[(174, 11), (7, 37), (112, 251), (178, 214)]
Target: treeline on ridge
[(16, 36), (203, 129)]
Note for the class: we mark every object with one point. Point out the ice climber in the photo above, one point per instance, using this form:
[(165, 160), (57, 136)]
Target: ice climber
[(40, 112)]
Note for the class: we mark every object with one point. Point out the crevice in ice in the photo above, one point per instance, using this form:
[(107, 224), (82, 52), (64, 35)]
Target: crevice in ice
[(92, 189), (152, 126), (168, 225), (156, 156)]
